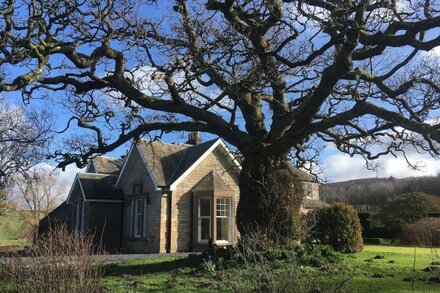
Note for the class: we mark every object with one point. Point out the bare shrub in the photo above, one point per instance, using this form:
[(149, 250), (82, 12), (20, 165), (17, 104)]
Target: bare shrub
[(308, 226), (424, 232), (62, 261)]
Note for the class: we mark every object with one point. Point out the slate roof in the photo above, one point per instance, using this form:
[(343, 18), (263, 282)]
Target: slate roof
[(169, 161), (99, 186), (60, 215), (212, 182), (106, 165), (303, 176)]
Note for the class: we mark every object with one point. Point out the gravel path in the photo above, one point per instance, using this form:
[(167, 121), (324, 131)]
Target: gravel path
[(115, 258)]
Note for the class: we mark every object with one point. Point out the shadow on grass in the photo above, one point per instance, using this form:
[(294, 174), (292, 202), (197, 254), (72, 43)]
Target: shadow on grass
[(153, 266)]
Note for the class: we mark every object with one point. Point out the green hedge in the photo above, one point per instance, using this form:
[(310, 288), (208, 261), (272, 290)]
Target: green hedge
[(337, 225)]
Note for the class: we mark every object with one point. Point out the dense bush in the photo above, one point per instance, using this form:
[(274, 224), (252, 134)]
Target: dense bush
[(408, 208), (425, 232), (337, 225), (316, 255)]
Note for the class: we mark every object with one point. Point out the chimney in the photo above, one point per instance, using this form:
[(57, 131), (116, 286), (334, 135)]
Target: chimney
[(194, 138)]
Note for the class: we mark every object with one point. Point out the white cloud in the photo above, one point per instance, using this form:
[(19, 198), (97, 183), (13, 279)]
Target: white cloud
[(341, 167), (64, 179), (436, 51)]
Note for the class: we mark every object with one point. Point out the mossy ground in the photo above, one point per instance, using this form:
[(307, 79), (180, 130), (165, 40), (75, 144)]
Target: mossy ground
[(376, 275)]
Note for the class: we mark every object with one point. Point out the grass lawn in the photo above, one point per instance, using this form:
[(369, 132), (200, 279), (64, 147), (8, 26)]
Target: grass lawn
[(392, 273), (183, 275), (160, 274), (12, 230)]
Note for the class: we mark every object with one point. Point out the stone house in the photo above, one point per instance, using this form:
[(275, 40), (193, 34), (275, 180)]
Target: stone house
[(163, 197)]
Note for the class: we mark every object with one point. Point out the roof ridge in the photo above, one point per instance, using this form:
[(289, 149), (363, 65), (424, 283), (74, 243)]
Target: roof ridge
[(186, 150), (96, 174), (107, 157), (172, 179), (178, 165), (209, 143)]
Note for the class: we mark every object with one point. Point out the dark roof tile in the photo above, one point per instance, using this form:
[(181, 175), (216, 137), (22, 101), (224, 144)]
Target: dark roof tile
[(99, 186), (169, 161), (106, 165)]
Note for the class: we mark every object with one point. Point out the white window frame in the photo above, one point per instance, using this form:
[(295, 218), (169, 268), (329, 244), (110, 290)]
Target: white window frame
[(228, 216), (137, 216), (199, 232), (308, 190), (79, 217), (144, 219)]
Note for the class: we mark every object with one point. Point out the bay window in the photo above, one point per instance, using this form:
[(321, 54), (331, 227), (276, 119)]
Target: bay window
[(223, 218), (213, 218), (204, 219)]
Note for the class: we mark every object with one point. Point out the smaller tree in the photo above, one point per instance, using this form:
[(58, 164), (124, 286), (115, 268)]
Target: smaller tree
[(408, 208), (337, 225), (24, 135), (36, 194)]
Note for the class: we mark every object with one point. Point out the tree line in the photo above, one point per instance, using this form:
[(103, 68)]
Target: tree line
[(375, 192)]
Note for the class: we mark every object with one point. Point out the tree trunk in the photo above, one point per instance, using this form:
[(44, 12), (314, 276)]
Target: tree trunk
[(270, 198)]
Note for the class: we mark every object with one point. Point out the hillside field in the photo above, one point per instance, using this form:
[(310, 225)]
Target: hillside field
[(13, 230)]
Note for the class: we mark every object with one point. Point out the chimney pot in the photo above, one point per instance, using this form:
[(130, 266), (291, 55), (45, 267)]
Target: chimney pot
[(194, 138)]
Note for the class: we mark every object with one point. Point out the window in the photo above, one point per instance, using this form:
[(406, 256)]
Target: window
[(204, 231), (138, 211), (138, 188), (223, 218), (214, 219), (79, 217), (308, 190)]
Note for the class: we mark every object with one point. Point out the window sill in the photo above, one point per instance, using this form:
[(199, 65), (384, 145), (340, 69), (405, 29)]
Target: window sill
[(219, 242), (136, 239)]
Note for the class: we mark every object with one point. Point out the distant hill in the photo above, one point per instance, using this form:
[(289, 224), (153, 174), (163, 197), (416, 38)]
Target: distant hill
[(374, 192)]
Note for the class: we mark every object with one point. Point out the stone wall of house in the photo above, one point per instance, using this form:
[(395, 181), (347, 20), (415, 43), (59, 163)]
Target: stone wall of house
[(311, 190), (136, 172), (181, 207)]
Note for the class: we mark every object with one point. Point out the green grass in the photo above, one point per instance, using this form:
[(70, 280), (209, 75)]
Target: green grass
[(182, 274), (163, 274), (12, 229), (169, 274), (394, 273)]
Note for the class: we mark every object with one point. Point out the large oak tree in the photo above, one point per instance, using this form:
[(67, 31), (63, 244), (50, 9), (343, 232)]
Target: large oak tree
[(272, 78)]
